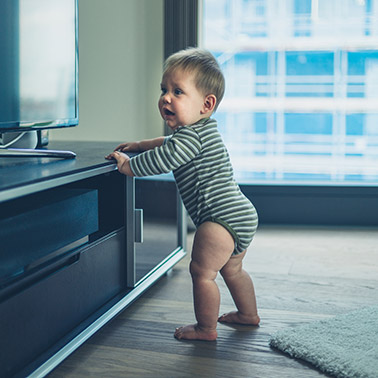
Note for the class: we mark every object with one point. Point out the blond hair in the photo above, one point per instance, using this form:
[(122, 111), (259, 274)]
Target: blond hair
[(209, 78)]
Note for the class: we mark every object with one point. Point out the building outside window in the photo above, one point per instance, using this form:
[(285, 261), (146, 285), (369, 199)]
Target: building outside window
[(301, 103)]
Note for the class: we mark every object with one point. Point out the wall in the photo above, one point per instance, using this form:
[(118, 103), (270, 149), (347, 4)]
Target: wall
[(120, 63)]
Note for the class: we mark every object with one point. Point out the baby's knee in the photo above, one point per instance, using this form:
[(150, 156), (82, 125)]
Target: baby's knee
[(197, 271), (229, 272)]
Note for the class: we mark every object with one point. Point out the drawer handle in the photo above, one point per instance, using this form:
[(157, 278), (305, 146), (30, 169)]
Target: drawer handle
[(138, 225)]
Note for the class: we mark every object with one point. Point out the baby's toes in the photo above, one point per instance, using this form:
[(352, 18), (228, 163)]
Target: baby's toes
[(178, 333)]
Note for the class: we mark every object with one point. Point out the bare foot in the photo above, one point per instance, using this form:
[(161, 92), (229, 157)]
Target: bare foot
[(193, 332), (238, 318)]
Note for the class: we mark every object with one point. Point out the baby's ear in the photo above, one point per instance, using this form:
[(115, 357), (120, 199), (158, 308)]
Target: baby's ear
[(209, 104)]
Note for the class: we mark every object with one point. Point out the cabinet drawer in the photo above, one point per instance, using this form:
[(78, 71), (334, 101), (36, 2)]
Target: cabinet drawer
[(35, 319), (35, 227)]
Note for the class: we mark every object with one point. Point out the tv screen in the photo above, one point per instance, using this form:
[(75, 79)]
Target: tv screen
[(38, 65)]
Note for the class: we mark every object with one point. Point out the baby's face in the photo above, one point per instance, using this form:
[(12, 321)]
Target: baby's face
[(180, 103)]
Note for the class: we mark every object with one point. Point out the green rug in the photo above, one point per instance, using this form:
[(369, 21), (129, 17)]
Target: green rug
[(343, 346)]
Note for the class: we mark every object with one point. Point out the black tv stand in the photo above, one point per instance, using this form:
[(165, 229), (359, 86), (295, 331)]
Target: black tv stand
[(31, 152), (62, 274)]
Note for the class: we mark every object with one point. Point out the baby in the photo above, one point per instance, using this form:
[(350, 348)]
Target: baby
[(191, 89)]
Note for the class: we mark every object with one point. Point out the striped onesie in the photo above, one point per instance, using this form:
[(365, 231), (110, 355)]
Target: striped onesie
[(204, 176)]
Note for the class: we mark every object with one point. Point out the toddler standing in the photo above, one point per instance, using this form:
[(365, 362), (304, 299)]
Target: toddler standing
[(191, 89)]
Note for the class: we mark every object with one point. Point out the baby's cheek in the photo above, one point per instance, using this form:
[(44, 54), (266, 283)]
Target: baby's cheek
[(160, 104)]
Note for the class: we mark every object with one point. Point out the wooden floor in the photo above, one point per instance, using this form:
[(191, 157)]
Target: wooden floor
[(300, 274)]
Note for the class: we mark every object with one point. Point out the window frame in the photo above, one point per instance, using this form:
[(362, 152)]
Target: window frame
[(301, 204)]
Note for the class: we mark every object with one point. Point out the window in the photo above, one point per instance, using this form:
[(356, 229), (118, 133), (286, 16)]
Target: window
[(301, 101)]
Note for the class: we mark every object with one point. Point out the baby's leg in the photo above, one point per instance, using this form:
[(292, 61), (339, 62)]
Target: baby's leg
[(212, 248), (241, 288)]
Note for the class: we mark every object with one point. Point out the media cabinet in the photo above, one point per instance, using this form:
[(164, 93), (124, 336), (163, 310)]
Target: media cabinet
[(79, 242)]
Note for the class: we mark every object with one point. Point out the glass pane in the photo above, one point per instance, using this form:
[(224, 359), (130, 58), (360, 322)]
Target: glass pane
[(301, 100), (157, 198)]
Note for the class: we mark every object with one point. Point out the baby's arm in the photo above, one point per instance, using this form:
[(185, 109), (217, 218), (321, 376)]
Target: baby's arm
[(159, 157), (143, 145)]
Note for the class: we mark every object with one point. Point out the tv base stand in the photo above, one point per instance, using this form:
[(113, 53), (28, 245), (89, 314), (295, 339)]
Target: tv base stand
[(31, 152)]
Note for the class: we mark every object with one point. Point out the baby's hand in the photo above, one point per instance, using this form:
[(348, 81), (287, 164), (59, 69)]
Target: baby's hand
[(123, 162), (128, 146)]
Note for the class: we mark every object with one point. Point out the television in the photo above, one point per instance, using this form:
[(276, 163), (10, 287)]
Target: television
[(38, 73)]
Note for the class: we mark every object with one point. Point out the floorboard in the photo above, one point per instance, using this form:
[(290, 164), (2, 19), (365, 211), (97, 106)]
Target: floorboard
[(301, 274)]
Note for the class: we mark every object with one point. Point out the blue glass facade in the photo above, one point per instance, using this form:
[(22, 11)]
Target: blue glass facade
[(302, 87)]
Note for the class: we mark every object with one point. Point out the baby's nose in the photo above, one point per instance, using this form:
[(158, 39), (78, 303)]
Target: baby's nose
[(167, 99)]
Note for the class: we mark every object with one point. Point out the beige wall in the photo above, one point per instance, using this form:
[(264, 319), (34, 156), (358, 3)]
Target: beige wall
[(120, 63)]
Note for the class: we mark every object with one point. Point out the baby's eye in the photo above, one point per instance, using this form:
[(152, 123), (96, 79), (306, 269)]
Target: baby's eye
[(178, 91), (163, 91)]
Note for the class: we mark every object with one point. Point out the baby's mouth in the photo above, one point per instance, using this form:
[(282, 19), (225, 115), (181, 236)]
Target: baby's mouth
[(168, 112)]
